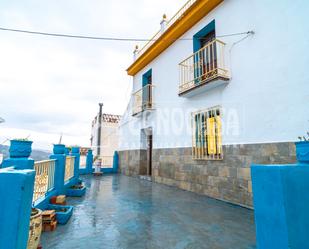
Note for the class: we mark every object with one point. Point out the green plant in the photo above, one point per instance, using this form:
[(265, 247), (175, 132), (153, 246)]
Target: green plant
[(21, 139), (304, 138)]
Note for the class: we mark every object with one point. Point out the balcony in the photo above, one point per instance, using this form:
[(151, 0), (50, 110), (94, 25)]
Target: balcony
[(143, 99), (203, 70)]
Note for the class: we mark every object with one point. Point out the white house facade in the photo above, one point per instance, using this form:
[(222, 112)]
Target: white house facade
[(104, 137), (222, 85)]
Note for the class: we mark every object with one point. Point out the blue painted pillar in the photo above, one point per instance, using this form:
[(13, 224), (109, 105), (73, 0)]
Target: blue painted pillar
[(281, 203), (89, 162), (76, 153), (19, 155), (115, 162), (16, 191), (60, 157)]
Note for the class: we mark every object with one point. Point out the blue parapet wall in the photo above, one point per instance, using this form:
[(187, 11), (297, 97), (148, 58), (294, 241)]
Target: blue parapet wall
[(89, 168), (16, 191), (103, 170), (281, 204)]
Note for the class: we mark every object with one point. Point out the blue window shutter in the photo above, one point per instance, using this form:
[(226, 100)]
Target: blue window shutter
[(146, 77), (203, 32)]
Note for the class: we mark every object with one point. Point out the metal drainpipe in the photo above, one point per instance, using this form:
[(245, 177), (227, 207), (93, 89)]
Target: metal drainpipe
[(99, 130)]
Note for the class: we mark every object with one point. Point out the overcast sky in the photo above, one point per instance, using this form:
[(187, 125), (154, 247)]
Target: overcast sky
[(49, 85)]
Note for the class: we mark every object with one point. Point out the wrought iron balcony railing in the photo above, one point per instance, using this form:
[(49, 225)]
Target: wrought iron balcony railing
[(205, 65), (143, 99)]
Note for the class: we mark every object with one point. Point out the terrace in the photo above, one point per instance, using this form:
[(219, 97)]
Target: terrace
[(116, 211), (124, 212)]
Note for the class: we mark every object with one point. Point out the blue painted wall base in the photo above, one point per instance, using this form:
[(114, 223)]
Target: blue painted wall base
[(16, 191), (281, 204)]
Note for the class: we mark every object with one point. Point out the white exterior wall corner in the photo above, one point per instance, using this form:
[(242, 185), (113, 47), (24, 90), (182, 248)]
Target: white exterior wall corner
[(269, 88), (109, 138)]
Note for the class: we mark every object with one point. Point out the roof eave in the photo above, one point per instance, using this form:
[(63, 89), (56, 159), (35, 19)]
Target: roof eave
[(194, 14)]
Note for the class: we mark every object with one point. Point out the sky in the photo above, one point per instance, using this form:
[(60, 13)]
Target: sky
[(51, 86)]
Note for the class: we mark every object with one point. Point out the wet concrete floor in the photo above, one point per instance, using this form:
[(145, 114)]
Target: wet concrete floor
[(124, 212)]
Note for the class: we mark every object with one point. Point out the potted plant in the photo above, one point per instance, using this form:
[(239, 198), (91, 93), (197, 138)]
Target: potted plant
[(20, 148), (59, 149), (35, 229), (67, 150), (77, 190), (302, 149), (63, 213), (75, 149)]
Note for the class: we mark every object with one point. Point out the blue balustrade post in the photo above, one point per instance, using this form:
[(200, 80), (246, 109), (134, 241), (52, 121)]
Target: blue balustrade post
[(16, 193), (60, 157), (89, 162), (20, 151), (76, 153), (115, 162)]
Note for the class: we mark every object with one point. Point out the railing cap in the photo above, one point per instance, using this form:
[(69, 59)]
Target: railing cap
[(45, 161)]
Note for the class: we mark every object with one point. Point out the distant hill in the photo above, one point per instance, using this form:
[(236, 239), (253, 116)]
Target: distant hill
[(37, 155)]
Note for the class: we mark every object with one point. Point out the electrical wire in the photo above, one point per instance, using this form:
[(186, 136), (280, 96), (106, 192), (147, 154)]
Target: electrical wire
[(101, 38)]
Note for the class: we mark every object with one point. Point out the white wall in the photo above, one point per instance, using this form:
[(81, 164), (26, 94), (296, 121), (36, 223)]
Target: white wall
[(109, 138), (268, 94)]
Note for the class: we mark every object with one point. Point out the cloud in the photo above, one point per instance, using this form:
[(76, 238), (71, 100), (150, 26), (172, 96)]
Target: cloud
[(51, 85)]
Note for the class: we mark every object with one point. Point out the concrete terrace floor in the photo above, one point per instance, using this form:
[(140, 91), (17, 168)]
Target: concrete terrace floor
[(124, 212)]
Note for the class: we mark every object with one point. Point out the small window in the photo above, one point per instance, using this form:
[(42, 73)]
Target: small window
[(207, 134)]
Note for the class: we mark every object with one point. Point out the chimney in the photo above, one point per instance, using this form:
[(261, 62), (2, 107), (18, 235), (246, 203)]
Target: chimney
[(163, 23), (135, 52), (99, 129)]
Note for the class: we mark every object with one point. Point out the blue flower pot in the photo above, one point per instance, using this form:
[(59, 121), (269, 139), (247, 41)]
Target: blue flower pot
[(302, 151), (59, 149), (76, 192), (67, 151), (20, 149), (75, 149), (62, 216)]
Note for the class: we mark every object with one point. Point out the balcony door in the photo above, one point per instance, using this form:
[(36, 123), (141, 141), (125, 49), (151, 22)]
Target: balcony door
[(208, 54), (149, 154), (147, 90), (205, 52)]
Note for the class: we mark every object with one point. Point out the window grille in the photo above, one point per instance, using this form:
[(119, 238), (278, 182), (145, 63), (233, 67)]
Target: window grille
[(207, 134)]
